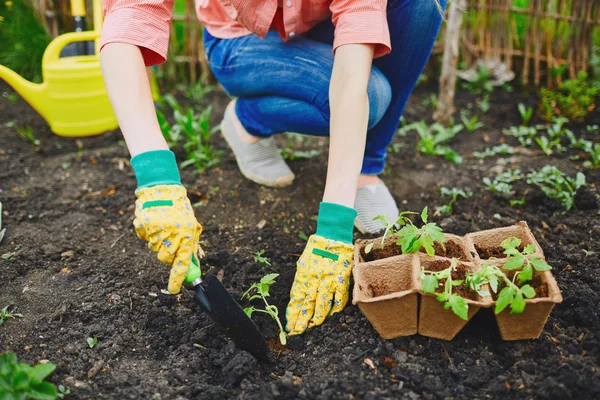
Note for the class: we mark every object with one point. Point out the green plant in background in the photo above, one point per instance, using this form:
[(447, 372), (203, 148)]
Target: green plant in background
[(470, 123), (526, 113), (430, 284), (502, 149), (556, 185), (433, 138), (24, 39), (593, 150), (432, 101), (258, 257), (546, 145), (454, 194), (19, 381), (481, 84), (92, 341), (27, 135), (5, 314), (261, 291), (524, 134), (290, 154), (484, 104), (575, 99), (502, 183)]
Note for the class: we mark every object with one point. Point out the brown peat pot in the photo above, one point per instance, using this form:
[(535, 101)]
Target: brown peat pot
[(434, 320), (386, 292), (485, 245)]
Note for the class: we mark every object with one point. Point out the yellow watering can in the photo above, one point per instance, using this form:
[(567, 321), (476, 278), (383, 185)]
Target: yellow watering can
[(72, 97)]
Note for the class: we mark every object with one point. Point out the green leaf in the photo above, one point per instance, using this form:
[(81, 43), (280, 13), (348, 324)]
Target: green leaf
[(269, 278), (529, 249), (540, 265), (457, 282), (505, 297), (41, 371), (427, 244), (484, 293), (518, 304), (424, 215), (515, 262), (20, 380), (525, 274), (494, 283), (282, 338), (42, 391), (459, 306), (249, 311), (511, 242), (263, 289), (369, 247), (429, 283), (528, 291)]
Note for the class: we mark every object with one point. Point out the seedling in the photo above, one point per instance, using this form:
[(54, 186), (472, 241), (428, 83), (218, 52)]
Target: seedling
[(470, 123), (6, 314), (433, 138), (22, 381), (481, 82), (454, 194), (515, 202), (484, 105), (292, 155), (502, 183), (92, 342), (430, 284), (524, 134), (260, 290), (593, 150), (27, 135), (502, 149), (63, 391), (258, 257), (526, 113), (547, 145), (592, 129), (432, 101), (556, 185)]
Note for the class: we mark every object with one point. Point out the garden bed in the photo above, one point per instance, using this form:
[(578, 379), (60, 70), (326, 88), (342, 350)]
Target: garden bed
[(77, 270)]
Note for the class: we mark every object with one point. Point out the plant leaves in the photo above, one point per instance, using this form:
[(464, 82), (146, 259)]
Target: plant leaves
[(249, 311), (528, 291), (505, 298), (529, 249), (518, 304), (494, 283), (429, 283), (369, 247), (42, 391), (20, 381), (269, 278), (282, 338), (424, 215), (41, 371), (540, 265), (511, 242), (525, 274), (515, 262), (459, 306)]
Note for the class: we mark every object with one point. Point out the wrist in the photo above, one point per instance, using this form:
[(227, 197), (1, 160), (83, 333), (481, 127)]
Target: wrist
[(156, 167), (336, 222)]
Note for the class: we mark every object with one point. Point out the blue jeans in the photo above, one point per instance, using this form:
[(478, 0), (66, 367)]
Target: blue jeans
[(284, 86)]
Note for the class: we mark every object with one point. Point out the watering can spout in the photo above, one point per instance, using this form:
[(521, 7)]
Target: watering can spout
[(33, 93)]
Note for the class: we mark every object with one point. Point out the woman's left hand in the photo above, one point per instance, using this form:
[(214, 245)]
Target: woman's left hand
[(321, 285)]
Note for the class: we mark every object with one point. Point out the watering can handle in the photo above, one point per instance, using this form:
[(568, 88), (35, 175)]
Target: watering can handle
[(53, 50)]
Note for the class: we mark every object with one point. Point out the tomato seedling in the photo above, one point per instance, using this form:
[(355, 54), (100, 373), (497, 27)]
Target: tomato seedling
[(21, 381), (6, 314), (454, 194), (258, 257), (430, 284), (260, 290)]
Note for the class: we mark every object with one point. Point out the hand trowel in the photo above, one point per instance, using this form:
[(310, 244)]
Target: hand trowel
[(212, 296)]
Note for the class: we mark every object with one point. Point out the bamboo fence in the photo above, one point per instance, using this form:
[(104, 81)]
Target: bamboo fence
[(535, 38)]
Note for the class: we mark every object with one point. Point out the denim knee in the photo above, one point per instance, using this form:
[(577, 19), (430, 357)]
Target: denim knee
[(380, 96)]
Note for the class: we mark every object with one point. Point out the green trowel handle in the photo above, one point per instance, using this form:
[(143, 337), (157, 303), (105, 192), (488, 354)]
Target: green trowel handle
[(194, 271)]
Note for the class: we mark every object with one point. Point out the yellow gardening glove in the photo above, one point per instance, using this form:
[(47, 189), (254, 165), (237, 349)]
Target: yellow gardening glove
[(321, 284), (165, 218)]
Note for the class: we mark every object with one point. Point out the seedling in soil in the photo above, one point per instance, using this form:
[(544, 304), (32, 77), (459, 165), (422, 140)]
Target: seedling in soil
[(454, 194), (547, 145), (484, 105), (22, 381), (430, 284), (470, 123), (258, 257), (524, 134), (592, 128), (433, 137), (502, 183), (502, 149), (593, 150), (27, 135), (556, 185), (526, 113), (92, 342), (514, 202), (292, 155), (412, 239), (5, 314), (390, 227), (260, 290), (432, 101), (63, 391), (517, 260)]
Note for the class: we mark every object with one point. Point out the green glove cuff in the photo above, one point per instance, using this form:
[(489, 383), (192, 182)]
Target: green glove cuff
[(157, 167), (336, 222)]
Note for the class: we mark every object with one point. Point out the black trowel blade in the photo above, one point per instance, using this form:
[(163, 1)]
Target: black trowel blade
[(226, 312)]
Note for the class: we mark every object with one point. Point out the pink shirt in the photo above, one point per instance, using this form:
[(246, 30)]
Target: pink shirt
[(146, 23)]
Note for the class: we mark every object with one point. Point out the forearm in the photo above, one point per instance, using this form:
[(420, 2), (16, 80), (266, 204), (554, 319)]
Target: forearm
[(349, 105), (128, 88)]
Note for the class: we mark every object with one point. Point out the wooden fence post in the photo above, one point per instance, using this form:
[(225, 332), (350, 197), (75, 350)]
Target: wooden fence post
[(445, 106)]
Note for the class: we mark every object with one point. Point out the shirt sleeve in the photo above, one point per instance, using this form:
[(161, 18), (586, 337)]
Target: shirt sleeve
[(361, 21), (143, 23)]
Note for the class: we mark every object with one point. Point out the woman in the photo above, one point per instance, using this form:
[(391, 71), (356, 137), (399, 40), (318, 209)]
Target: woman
[(343, 68)]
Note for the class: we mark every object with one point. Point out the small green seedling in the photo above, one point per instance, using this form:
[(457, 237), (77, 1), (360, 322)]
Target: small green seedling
[(27, 135), (63, 391), (518, 260), (515, 202), (92, 342), (470, 123), (22, 381), (502, 149), (502, 183), (524, 134), (433, 138), (556, 185), (454, 194), (593, 149), (6, 314), (526, 113), (548, 145), (260, 290), (484, 104), (258, 257), (412, 239), (592, 128), (290, 154), (430, 284), (390, 227), (432, 101)]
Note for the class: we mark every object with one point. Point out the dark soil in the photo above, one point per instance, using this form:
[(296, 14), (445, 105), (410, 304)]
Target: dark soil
[(390, 249), (73, 266), (460, 273), (451, 249), (485, 253)]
